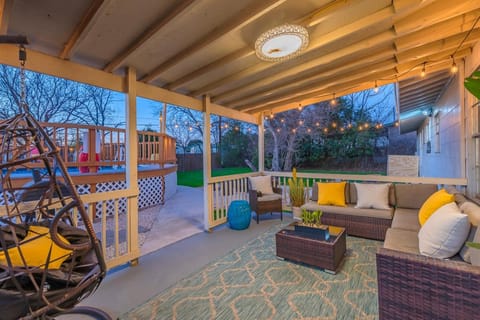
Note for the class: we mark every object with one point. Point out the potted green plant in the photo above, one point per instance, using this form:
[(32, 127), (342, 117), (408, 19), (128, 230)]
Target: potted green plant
[(297, 194), (311, 225)]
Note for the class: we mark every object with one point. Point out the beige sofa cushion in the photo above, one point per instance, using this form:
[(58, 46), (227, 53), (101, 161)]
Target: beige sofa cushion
[(406, 219), (261, 184), (402, 240), (372, 195), (350, 210), (353, 194), (444, 233), (413, 195)]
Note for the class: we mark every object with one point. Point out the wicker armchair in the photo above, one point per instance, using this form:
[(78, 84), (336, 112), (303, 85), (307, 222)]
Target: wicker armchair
[(265, 203), (412, 286)]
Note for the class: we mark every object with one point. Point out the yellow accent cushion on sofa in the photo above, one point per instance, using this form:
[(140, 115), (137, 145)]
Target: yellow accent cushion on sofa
[(434, 202), (331, 193), (36, 251)]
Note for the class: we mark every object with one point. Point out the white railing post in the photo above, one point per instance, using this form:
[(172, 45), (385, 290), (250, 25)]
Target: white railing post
[(261, 144), (132, 163), (207, 164)]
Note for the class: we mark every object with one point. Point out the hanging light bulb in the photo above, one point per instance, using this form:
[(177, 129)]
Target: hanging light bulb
[(294, 130), (325, 130), (376, 87), (317, 124), (454, 68), (299, 107), (334, 124), (300, 122), (423, 73), (309, 130), (333, 101)]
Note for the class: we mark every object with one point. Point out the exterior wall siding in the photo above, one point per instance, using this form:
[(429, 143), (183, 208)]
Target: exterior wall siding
[(447, 161)]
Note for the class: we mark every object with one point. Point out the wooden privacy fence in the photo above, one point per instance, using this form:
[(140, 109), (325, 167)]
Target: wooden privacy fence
[(89, 147), (221, 191)]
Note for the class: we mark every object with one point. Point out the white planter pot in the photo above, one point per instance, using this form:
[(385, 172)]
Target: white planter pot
[(297, 213)]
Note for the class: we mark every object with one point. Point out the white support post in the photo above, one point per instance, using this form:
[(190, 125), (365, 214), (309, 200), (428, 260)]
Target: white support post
[(132, 159), (261, 144), (207, 163), (163, 127)]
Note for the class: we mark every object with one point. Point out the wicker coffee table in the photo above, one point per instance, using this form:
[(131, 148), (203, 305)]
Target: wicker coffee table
[(324, 254)]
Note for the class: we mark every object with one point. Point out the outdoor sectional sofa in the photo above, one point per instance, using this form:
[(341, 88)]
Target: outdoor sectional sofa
[(412, 285)]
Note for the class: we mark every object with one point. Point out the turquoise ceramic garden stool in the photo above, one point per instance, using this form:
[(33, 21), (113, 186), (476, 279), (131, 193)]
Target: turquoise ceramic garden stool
[(239, 214)]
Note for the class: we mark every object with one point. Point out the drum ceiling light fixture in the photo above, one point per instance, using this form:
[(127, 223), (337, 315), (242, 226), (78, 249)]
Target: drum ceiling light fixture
[(281, 43)]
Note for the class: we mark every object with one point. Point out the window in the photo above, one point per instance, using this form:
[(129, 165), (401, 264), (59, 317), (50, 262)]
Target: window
[(437, 133)]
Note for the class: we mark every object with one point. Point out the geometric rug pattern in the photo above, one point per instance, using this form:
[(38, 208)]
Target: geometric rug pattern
[(251, 283)]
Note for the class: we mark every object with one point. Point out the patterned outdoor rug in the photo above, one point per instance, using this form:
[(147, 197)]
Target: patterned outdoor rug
[(251, 283)]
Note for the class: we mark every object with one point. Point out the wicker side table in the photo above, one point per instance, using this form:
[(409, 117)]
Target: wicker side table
[(323, 254)]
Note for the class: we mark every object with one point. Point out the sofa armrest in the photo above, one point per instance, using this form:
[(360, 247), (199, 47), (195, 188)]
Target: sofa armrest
[(412, 286)]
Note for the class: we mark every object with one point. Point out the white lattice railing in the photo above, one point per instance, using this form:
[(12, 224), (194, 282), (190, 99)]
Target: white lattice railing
[(223, 190)]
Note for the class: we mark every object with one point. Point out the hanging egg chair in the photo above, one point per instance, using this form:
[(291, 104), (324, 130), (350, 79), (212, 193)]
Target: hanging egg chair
[(50, 258)]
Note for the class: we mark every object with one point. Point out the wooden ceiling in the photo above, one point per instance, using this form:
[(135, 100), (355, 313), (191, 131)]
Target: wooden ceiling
[(206, 47)]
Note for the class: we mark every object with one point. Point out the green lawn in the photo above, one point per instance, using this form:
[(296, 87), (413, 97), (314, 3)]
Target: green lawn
[(195, 178)]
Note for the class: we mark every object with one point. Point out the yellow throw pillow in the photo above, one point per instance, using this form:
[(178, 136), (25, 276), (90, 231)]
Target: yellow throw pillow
[(434, 202), (36, 251), (331, 193)]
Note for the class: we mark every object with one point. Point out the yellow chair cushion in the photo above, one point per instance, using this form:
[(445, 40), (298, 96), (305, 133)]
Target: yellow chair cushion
[(331, 193), (36, 251), (434, 202)]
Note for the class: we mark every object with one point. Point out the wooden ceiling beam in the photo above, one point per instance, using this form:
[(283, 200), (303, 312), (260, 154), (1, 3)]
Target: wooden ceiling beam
[(381, 41), (147, 35), (326, 87), (320, 95), (434, 13), (87, 18), (357, 26), (241, 19), (432, 59), (448, 44), (303, 81), (239, 54), (310, 20), (325, 94), (5, 10), (439, 31)]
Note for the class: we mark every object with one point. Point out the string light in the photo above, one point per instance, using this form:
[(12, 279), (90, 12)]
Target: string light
[(278, 129), (300, 122), (423, 73), (334, 124), (397, 123), (294, 130), (376, 87), (317, 124), (325, 130), (309, 130), (299, 107), (282, 120), (349, 126), (366, 125), (342, 129), (454, 68), (333, 101)]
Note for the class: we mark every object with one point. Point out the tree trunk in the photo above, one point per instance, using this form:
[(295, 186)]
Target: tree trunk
[(275, 151), (288, 164)]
